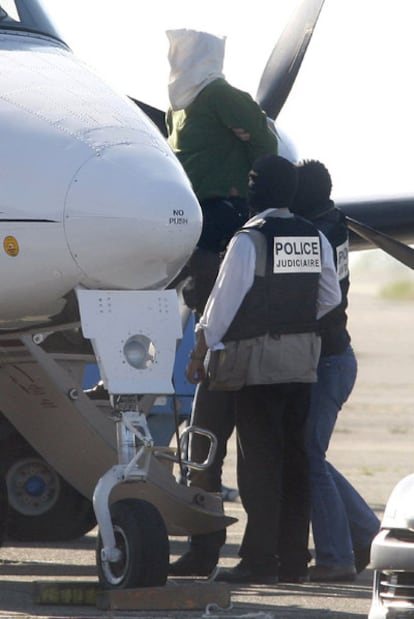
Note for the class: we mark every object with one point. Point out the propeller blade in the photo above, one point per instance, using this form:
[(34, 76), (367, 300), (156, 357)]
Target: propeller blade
[(401, 252), (286, 58), (157, 116)]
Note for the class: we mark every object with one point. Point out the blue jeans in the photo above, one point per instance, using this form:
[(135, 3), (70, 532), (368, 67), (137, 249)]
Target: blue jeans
[(341, 519)]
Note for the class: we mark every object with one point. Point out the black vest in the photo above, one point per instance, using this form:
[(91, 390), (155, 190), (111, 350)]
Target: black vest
[(284, 293), (332, 326)]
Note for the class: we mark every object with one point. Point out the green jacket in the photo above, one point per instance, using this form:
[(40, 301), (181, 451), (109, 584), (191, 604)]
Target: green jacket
[(214, 159)]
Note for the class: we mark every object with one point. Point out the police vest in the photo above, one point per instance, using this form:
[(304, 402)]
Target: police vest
[(285, 289), (335, 337)]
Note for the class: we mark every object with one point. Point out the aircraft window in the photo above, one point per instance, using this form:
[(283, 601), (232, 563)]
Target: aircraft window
[(28, 15)]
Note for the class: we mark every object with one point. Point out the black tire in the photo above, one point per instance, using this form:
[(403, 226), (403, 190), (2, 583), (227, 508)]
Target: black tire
[(43, 507), (141, 535)]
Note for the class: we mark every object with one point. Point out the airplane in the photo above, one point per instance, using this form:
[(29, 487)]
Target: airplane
[(97, 217), (98, 227)]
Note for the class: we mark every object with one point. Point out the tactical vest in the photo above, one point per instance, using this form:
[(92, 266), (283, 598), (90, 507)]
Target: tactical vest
[(284, 293), (335, 337)]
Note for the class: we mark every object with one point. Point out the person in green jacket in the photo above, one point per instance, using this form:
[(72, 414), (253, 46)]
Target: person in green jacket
[(217, 131)]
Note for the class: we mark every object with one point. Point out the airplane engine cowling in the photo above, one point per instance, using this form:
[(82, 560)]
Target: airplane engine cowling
[(131, 219)]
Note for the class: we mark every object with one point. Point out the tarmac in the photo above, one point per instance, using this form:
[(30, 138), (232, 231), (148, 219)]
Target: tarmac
[(372, 446)]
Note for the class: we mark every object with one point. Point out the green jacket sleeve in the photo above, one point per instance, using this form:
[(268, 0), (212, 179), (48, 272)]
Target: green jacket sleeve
[(237, 109)]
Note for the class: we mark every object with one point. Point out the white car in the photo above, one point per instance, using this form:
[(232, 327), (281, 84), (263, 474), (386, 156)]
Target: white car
[(392, 556)]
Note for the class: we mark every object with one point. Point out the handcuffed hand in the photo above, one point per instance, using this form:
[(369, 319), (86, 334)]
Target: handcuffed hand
[(195, 371)]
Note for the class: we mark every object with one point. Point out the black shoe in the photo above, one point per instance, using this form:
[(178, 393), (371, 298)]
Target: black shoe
[(245, 573), (362, 557), (293, 578), (192, 564), (326, 573)]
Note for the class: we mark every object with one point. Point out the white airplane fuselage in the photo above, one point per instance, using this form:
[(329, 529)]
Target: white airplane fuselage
[(97, 217), (91, 195)]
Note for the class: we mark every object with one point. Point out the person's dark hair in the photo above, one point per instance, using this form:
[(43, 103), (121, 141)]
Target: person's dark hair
[(272, 183), (314, 187)]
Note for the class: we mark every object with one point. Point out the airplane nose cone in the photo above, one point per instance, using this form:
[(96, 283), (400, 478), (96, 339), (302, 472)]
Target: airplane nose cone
[(131, 218)]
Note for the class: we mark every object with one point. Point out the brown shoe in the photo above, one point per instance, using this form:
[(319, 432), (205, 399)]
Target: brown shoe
[(332, 573)]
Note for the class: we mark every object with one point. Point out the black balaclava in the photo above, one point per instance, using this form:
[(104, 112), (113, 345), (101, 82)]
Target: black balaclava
[(272, 183), (314, 189)]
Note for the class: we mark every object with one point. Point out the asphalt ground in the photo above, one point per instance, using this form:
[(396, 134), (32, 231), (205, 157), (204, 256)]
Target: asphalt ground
[(372, 447)]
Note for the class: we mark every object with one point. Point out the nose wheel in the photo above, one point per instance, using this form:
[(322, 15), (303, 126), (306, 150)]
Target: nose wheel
[(133, 545), (143, 548)]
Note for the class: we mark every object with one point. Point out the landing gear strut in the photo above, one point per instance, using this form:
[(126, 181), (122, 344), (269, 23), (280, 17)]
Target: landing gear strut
[(133, 546)]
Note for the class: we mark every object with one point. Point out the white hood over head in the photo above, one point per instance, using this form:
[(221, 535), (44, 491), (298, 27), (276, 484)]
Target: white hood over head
[(196, 59)]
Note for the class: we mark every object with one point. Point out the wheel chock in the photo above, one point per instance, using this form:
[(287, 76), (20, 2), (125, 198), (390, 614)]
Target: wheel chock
[(66, 593), (173, 596)]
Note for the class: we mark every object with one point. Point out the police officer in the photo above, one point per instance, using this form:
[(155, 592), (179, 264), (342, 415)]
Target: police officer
[(343, 524), (216, 131), (277, 278)]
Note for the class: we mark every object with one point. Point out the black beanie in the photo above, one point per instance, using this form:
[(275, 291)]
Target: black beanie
[(314, 188), (272, 183)]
